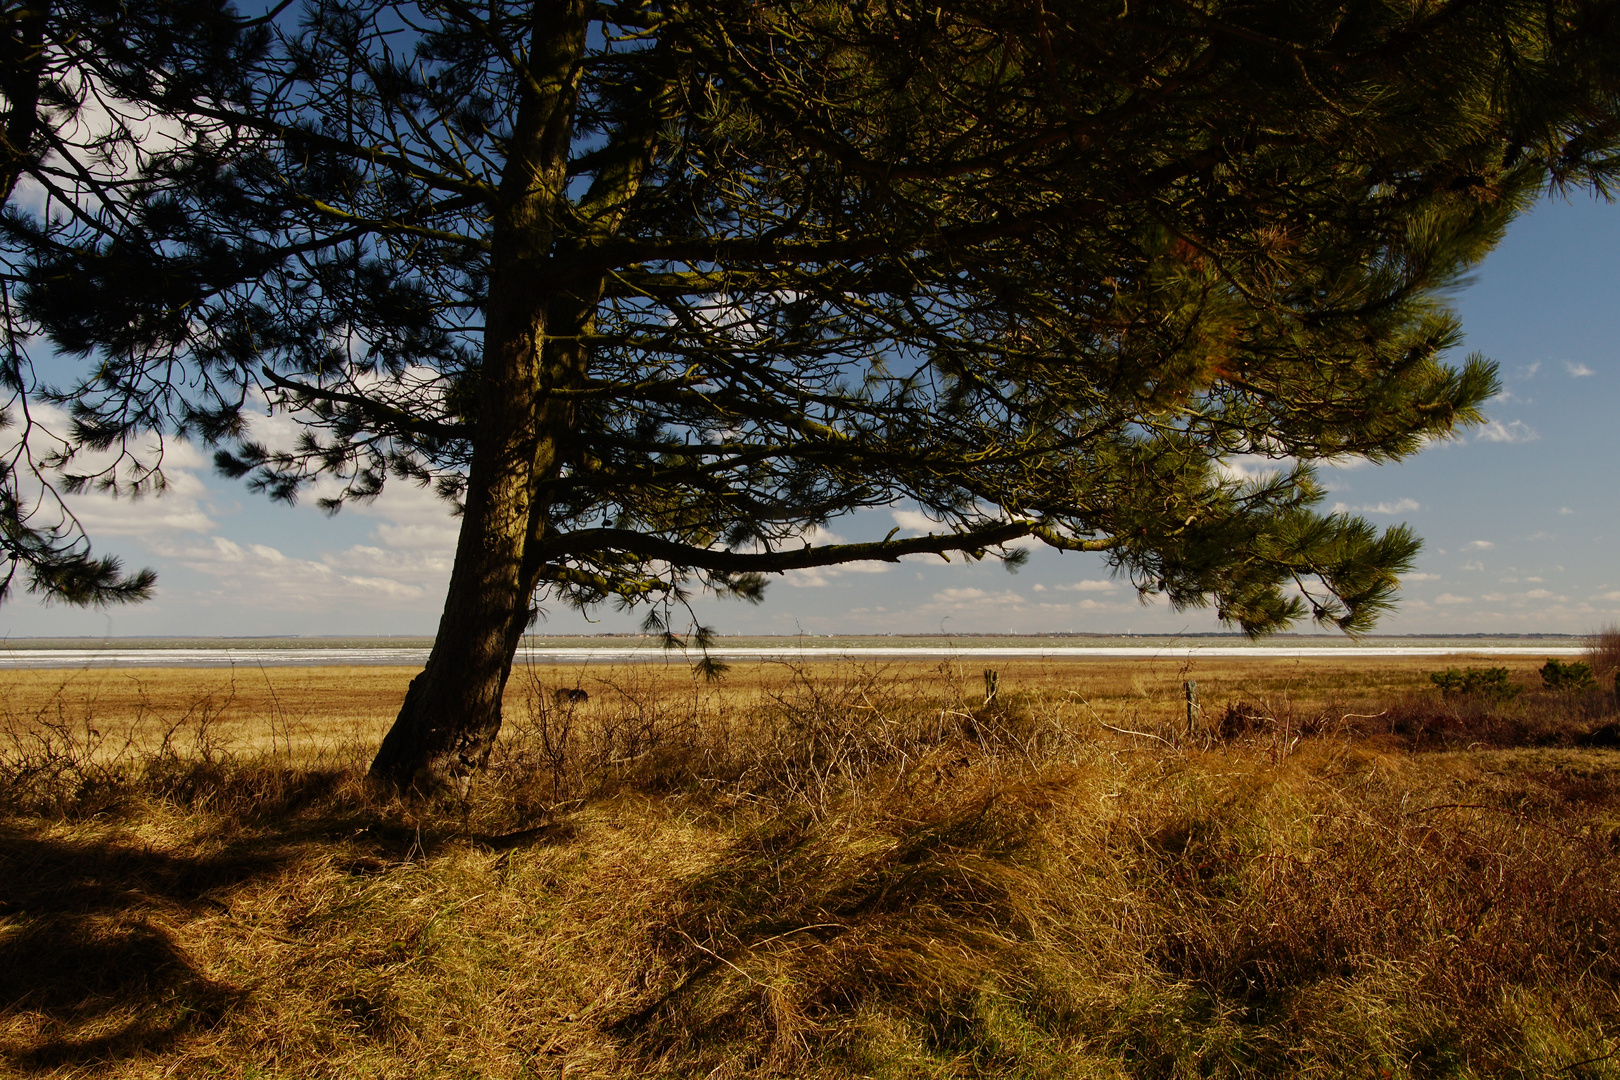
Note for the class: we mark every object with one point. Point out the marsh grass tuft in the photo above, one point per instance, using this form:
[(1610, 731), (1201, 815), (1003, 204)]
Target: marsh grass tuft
[(1603, 653), (826, 870)]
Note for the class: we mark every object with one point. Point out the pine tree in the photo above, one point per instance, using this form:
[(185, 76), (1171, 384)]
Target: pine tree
[(83, 85), (651, 289)]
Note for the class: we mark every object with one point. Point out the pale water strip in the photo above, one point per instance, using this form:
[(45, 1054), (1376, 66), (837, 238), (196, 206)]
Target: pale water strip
[(415, 657)]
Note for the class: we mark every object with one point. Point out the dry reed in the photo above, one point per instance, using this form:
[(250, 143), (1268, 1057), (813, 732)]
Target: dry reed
[(831, 871)]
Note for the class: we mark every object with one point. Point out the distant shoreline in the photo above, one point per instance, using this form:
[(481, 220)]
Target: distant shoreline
[(654, 641), (63, 653)]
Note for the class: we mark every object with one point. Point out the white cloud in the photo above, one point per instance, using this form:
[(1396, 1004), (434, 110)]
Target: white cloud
[(968, 597), (818, 576), (1399, 506), (1478, 545), (1528, 371), (1090, 586), (957, 596), (1541, 594), (410, 517), (163, 490), (1565, 510), (1577, 371), (1472, 564), (1089, 605), (265, 577), (1448, 598), (915, 520), (1516, 431), (179, 508), (1250, 467), (1421, 577)]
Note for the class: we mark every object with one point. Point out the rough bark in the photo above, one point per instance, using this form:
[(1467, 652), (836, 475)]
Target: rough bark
[(22, 66), (452, 711)]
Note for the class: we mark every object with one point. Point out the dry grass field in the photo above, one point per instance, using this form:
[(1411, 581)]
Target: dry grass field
[(817, 870)]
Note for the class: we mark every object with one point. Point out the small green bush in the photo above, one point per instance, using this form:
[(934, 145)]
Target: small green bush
[(1572, 676), (1484, 682)]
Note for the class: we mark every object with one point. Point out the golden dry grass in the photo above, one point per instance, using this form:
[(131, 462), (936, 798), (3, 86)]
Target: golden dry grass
[(320, 709), (823, 870)]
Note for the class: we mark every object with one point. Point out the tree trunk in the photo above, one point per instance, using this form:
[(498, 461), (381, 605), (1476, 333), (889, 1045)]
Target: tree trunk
[(452, 711), (22, 66)]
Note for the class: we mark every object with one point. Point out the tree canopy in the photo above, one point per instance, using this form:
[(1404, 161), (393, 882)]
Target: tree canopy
[(650, 290), (90, 90)]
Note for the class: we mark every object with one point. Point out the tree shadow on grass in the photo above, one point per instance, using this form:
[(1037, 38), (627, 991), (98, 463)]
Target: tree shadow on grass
[(101, 986), (89, 965), (92, 968)]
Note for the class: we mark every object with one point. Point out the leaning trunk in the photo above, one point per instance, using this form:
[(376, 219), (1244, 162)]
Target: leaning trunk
[(452, 711)]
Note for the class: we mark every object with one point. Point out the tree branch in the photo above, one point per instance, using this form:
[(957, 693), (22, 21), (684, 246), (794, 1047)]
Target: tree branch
[(776, 562), (376, 409)]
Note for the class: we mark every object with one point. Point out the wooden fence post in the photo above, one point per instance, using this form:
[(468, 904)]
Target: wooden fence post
[(1194, 712)]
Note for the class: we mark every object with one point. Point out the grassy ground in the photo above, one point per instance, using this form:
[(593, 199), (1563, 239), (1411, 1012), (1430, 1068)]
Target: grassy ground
[(818, 870)]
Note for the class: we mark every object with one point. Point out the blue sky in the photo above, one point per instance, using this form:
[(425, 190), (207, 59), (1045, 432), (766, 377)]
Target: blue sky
[(1520, 519)]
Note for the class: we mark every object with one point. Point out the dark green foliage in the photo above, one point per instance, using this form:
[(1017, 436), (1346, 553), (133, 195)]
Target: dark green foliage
[(1493, 683), (1038, 270), (1575, 675), (127, 68)]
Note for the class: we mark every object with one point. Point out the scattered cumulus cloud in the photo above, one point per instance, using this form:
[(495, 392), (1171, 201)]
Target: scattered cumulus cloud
[(1516, 431), (914, 520), (1421, 577), (1450, 599), (1472, 564), (1399, 506), (1577, 371), (1478, 545), (1090, 586), (969, 597), (405, 563), (958, 595), (1249, 467), (177, 504), (816, 577), (267, 578), (1528, 371)]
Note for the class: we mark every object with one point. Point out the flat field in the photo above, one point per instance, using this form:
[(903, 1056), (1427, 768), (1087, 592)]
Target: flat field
[(817, 869), (317, 710)]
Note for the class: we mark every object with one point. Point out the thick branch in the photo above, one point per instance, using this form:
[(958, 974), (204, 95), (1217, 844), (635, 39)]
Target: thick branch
[(776, 562)]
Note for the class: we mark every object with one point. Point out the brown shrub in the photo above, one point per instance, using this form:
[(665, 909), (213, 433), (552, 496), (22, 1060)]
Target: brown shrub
[(1603, 652)]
